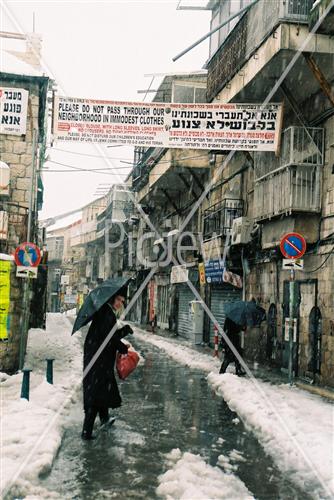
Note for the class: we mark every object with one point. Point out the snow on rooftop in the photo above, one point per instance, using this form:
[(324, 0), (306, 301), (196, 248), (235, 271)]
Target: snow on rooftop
[(65, 222), (11, 64)]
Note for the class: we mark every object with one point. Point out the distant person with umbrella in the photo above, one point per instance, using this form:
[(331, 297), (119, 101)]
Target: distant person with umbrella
[(232, 330), (239, 315), (100, 390)]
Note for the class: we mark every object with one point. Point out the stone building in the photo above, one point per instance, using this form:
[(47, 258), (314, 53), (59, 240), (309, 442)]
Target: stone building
[(284, 53), (167, 183), (23, 116)]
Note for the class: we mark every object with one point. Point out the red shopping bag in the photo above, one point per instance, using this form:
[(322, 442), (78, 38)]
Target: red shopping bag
[(126, 363)]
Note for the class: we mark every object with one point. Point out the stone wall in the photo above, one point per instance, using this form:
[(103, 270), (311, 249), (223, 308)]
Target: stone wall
[(266, 280), (16, 151), (10, 349)]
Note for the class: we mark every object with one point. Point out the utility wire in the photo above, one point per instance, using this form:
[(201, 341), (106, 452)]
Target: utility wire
[(87, 154), (87, 169), (97, 171), (322, 264), (123, 160)]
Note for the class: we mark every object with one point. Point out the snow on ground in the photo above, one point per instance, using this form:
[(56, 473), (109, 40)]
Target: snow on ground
[(31, 430), (190, 478), (294, 427)]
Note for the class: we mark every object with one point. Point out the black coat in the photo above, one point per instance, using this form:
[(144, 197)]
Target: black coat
[(232, 330), (99, 385)]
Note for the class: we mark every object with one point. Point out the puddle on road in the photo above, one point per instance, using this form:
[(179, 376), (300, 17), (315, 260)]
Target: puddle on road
[(165, 406)]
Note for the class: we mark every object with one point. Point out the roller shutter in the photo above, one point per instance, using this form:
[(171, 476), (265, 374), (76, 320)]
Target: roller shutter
[(220, 296)]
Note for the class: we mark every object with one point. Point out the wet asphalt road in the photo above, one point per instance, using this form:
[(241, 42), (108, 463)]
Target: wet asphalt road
[(165, 406)]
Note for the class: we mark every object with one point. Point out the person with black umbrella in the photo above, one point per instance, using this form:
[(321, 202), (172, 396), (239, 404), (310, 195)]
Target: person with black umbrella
[(100, 390), (233, 331), (239, 315)]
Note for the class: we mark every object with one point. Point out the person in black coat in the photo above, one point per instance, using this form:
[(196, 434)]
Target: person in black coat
[(232, 330), (100, 390)]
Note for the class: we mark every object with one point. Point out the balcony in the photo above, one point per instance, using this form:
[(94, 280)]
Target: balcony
[(250, 32), (290, 183), (327, 25), (261, 46), (218, 218)]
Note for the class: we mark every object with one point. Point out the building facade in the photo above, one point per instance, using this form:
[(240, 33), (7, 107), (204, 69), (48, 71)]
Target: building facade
[(284, 54), (24, 116)]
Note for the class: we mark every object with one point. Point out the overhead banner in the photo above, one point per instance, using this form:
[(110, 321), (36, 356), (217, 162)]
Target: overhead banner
[(246, 127), (13, 110)]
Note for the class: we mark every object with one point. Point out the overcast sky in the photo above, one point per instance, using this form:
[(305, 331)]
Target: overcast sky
[(102, 50)]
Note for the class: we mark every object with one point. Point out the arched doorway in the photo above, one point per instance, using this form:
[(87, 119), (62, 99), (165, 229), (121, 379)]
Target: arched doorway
[(271, 332), (315, 334)]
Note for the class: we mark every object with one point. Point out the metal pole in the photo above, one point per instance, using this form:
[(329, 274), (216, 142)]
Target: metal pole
[(32, 184), (25, 314), (49, 370), (214, 30), (291, 323), (25, 384)]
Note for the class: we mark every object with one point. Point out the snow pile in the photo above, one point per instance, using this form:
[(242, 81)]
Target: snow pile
[(190, 478), (294, 427), (33, 429), (71, 312)]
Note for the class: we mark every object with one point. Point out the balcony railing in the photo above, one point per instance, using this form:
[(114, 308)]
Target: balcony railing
[(248, 34), (294, 189), (291, 182), (218, 218), (299, 146)]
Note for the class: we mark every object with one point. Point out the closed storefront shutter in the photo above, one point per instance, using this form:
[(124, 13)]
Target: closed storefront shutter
[(163, 307), (185, 295), (220, 296)]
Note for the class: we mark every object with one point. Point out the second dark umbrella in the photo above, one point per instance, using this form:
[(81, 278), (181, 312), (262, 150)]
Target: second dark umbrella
[(245, 313)]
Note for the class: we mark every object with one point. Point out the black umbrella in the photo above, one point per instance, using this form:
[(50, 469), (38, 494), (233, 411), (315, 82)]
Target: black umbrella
[(96, 299), (245, 313)]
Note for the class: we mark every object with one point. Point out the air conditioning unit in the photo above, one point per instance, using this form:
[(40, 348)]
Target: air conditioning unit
[(167, 224), (241, 231)]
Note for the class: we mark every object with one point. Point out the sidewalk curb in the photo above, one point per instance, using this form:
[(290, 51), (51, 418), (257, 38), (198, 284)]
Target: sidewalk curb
[(319, 391)]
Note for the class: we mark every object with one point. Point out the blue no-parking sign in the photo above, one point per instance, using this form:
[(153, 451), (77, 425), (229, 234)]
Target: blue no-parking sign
[(293, 246)]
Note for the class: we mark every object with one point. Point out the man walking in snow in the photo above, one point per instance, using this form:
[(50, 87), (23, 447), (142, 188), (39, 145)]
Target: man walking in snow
[(232, 330)]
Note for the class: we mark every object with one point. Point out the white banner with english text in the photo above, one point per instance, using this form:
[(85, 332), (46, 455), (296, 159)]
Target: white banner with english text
[(244, 127)]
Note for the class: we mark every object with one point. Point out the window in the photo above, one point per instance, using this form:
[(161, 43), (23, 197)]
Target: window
[(224, 11), (187, 92), (214, 39)]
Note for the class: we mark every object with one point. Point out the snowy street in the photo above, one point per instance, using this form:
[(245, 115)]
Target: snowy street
[(174, 437)]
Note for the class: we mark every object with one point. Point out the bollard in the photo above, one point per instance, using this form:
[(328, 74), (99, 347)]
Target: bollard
[(215, 329), (49, 370), (25, 383)]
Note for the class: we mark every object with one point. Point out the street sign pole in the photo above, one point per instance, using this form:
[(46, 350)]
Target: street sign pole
[(291, 323), (26, 285), (293, 247)]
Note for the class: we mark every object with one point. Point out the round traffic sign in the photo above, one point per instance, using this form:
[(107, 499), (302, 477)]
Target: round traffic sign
[(27, 254), (293, 246)]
